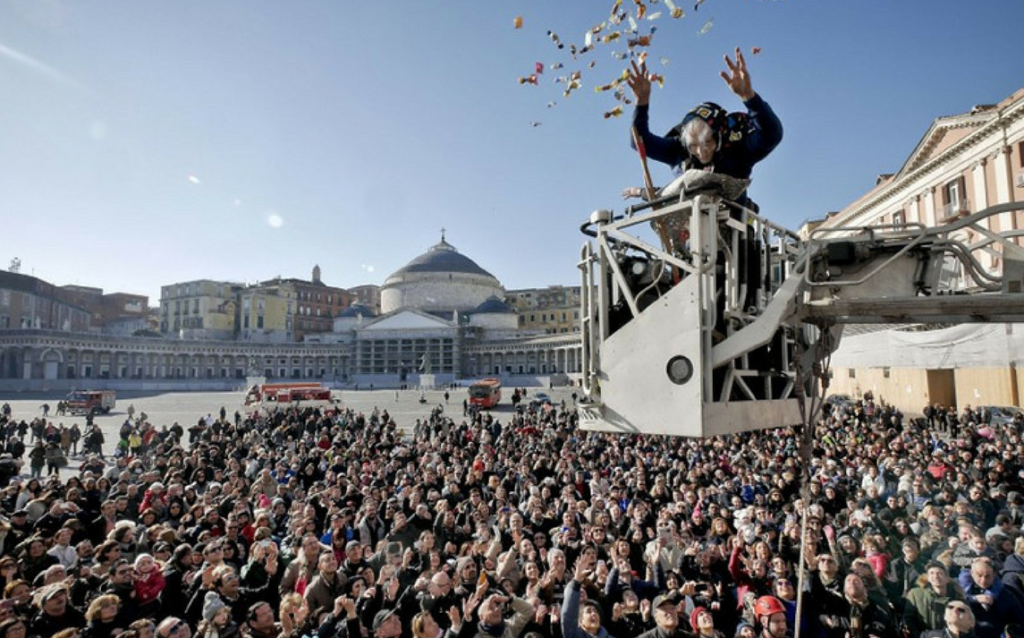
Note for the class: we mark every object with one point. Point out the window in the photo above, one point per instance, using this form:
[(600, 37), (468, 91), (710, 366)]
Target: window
[(851, 373), (886, 372), (899, 219)]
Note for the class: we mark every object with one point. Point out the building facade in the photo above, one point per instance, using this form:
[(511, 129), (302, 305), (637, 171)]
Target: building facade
[(472, 333), (550, 310), (201, 309), (964, 164), (30, 303)]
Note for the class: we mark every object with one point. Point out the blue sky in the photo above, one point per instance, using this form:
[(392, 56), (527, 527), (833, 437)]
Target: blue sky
[(144, 143)]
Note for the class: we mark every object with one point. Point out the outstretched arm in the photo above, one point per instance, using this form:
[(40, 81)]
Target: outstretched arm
[(658, 148), (738, 79)]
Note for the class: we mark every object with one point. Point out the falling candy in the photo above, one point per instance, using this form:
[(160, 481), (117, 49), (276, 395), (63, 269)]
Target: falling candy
[(555, 66), (554, 38), (539, 67), (755, 50), (707, 27), (615, 112), (529, 80), (654, 16), (697, 4), (517, 22), (674, 11), (534, 124)]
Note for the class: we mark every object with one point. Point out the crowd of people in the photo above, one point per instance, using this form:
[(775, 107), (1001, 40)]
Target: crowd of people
[(515, 524)]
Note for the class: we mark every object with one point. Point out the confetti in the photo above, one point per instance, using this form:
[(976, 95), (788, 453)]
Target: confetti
[(517, 22), (554, 38), (755, 50), (615, 112), (674, 11), (642, 41), (707, 27), (538, 67)]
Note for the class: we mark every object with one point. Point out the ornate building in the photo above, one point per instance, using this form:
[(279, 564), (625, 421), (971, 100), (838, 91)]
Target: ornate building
[(443, 315), (963, 164)]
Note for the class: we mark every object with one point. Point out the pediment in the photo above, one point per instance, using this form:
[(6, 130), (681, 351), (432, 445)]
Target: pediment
[(941, 135), (406, 320)]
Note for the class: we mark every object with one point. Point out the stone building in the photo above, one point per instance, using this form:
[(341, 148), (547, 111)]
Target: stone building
[(442, 314), (963, 164)]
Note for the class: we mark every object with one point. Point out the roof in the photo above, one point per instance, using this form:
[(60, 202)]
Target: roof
[(442, 258), (356, 310), (493, 305)]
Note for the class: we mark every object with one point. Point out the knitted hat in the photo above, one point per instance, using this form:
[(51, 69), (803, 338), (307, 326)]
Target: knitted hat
[(695, 615), (212, 605)]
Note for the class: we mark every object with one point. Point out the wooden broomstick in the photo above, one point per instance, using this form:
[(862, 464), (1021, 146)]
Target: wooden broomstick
[(659, 226)]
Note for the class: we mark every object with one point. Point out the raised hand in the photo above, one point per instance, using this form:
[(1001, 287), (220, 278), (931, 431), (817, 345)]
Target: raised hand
[(640, 82), (737, 78)]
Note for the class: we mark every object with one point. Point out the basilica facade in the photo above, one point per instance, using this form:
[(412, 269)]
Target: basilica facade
[(441, 314)]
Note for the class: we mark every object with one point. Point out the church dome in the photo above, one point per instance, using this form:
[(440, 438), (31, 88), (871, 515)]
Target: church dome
[(440, 280), (442, 258), (493, 305)]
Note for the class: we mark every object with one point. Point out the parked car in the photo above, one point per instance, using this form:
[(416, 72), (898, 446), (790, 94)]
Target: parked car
[(542, 397), (840, 401), (1003, 414)]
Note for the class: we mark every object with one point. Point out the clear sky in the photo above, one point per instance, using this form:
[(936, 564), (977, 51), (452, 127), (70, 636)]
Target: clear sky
[(146, 143)]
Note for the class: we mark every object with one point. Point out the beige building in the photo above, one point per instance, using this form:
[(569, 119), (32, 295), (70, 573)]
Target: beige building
[(265, 314), (964, 164), (551, 310), (201, 309)]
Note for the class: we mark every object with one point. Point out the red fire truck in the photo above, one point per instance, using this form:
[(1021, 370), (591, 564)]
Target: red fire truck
[(91, 401), (288, 394)]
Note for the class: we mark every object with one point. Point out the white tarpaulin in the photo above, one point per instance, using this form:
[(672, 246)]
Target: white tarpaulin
[(964, 346)]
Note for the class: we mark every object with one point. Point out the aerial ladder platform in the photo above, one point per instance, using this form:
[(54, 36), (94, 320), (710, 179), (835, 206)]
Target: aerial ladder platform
[(701, 317)]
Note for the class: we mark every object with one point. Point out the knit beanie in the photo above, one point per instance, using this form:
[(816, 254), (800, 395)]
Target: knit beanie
[(212, 605)]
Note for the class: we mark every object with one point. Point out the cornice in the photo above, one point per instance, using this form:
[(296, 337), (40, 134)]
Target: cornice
[(904, 180)]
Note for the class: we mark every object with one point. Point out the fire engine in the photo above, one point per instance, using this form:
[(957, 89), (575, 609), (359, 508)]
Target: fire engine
[(91, 401), (701, 317), (288, 395)]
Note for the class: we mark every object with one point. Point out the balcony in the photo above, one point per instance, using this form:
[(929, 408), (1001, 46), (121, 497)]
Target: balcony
[(955, 210)]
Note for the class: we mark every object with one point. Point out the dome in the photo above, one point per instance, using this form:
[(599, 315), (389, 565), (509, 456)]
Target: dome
[(356, 310), (439, 281), (442, 258), (493, 305)]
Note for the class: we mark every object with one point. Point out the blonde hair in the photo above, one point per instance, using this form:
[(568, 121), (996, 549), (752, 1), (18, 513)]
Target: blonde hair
[(290, 603), (97, 605)]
